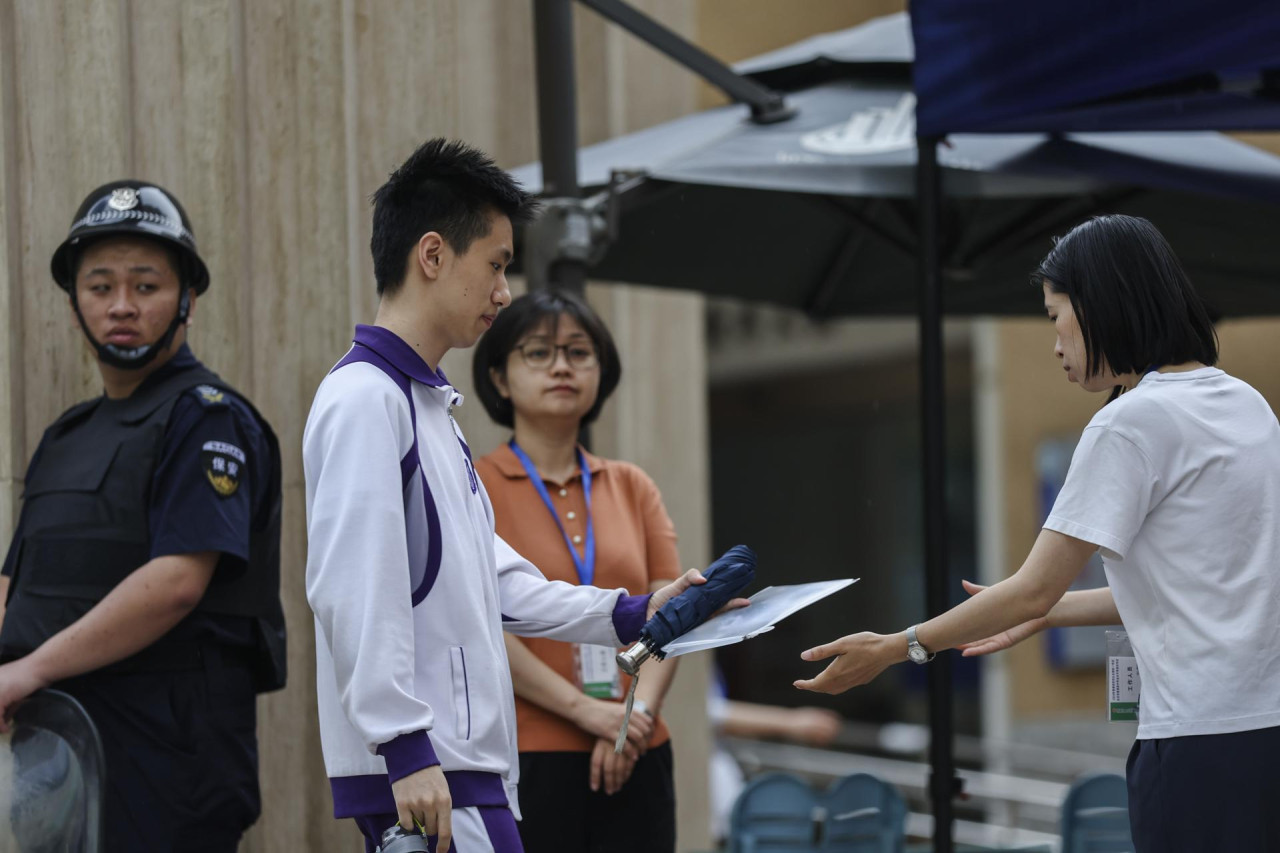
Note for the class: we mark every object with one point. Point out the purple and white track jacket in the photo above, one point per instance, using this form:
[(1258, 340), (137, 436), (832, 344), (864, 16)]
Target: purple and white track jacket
[(412, 588)]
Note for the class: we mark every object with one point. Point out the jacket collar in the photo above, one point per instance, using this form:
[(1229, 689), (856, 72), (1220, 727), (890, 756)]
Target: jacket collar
[(403, 357)]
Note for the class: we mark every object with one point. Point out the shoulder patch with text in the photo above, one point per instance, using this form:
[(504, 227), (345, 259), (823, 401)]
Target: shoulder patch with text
[(222, 463), (208, 394)]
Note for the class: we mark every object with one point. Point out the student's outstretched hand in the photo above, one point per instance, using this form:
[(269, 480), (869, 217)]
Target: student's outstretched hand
[(693, 577), (859, 658), (423, 801), (1003, 640)]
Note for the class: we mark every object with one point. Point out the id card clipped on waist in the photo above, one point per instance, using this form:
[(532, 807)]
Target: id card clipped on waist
[(597, 671), (1124, 686)]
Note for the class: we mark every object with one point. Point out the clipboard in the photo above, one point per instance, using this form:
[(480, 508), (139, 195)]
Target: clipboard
[(768, 607)]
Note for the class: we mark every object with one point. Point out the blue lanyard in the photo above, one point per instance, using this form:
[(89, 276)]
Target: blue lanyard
[(586, 564)]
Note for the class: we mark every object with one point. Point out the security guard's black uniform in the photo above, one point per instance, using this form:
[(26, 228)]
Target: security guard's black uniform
[(182, 465)]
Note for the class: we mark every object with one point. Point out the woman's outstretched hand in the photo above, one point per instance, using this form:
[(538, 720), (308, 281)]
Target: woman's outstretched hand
[(1003, 640), (859, 658)]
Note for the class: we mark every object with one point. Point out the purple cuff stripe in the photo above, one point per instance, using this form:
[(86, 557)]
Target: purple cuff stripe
[(628, 616), (407, 754), (354, 796)]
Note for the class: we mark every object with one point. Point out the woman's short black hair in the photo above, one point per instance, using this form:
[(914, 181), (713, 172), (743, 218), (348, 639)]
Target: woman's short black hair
[(523, 315), (1136, 306)]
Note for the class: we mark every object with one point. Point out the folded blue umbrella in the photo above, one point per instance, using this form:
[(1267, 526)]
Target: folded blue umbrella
[(726, 578)]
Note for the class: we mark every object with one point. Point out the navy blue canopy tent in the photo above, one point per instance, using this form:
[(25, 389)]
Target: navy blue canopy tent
[(997, 66)]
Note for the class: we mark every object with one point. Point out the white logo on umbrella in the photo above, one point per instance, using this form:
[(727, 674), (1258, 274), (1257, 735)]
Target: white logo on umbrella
[(870, 131)]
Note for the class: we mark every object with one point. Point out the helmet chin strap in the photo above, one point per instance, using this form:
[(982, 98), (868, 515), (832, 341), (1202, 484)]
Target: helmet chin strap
[(135, 358)]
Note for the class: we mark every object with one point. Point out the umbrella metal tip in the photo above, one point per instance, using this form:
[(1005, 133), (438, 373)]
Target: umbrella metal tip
[(630, 660)]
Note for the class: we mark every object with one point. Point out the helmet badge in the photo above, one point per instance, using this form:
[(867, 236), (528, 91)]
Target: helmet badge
[(123, 198)]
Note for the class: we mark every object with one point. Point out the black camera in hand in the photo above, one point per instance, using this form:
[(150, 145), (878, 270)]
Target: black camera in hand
[(397, 839)]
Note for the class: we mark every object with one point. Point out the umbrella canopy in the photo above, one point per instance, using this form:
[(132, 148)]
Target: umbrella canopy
[(878, 49), (1096, 65), (819, 212)]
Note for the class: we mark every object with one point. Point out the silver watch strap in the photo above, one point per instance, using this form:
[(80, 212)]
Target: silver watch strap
[(913, 640)]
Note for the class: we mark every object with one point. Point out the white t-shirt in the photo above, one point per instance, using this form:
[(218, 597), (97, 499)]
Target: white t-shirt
[(1178, 483)]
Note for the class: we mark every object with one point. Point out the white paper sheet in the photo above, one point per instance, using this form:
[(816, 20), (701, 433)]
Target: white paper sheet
[(768, 607)]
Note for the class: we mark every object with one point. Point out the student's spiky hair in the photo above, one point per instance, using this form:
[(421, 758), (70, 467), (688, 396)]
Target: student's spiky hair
[(445, 186)]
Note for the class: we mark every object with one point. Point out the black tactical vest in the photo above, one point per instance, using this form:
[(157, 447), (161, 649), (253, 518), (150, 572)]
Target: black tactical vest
[(85, 528)]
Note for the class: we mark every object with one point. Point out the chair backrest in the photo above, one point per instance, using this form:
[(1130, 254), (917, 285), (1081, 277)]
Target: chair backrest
[(863, 815), (774, 814), (1095, 815), (52, 779)]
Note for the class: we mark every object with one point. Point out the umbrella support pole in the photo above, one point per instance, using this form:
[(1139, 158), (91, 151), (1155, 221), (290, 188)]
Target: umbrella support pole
[(558, 140), (767, 106), (943, 783)]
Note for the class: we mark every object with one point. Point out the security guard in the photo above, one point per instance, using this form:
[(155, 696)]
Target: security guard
[(143, 577)]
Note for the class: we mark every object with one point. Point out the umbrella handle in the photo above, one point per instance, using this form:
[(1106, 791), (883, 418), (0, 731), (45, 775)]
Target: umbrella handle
[(630, 660)]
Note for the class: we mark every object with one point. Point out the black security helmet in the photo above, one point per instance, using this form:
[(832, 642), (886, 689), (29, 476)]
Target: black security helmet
[(137, 209)]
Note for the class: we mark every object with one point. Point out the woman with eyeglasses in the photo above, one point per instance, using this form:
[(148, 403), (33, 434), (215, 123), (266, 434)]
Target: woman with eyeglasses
[(545, 369), (1176, 481)]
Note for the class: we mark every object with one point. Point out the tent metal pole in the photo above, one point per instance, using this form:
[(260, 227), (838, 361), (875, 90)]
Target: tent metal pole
[(558, 120), (942, 779)]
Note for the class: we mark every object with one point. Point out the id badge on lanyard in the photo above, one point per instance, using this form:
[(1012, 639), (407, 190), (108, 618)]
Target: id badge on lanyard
[(597, 671), (1124, 685)]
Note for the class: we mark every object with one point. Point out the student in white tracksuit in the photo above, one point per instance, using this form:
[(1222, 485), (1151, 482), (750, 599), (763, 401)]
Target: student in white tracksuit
[(410, 586)]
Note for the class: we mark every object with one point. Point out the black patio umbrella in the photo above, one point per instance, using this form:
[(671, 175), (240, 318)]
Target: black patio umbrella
[(820, 213)]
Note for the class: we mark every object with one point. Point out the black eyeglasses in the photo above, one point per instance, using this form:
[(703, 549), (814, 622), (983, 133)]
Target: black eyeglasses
[(539, 356)]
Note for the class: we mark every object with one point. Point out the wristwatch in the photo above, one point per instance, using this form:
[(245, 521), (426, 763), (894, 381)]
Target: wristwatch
[(640, 707), (916, 652)]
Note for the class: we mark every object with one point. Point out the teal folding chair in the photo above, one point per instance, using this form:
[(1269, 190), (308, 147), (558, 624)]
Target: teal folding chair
[(1095, 815), (775, 813), (863, 815)]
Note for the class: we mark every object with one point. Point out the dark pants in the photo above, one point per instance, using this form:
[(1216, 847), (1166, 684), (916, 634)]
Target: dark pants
[(1206, 793), (561, 814), (181, 755)]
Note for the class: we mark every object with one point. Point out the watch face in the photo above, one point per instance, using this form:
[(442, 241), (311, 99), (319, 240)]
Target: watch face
[(917, 654)]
